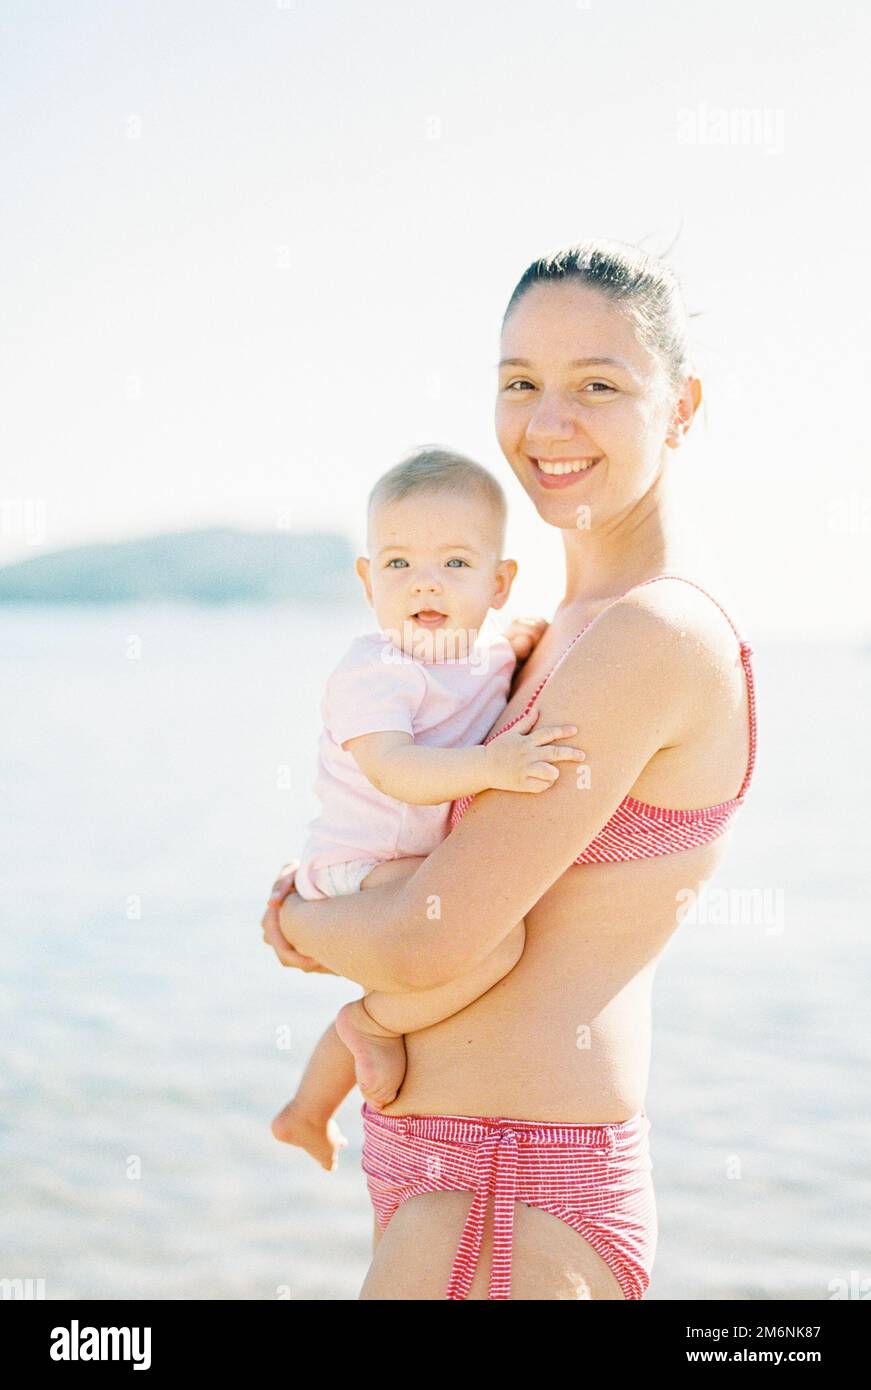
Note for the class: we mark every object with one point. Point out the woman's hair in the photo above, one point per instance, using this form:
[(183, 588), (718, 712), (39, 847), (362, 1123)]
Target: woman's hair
[(439, 470), (640, 283)]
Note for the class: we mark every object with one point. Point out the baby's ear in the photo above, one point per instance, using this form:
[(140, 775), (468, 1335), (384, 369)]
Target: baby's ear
[(361, 565), (505, 574)]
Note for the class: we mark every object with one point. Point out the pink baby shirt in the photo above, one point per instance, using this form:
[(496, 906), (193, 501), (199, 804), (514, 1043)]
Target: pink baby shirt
[(376, 687)]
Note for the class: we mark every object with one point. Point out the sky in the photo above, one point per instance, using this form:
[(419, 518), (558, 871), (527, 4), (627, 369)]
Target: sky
[(253, 253)]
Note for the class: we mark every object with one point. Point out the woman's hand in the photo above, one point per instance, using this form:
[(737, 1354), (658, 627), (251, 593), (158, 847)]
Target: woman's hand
[(271, 925)]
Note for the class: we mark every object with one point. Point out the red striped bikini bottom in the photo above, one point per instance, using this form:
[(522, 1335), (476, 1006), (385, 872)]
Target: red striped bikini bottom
[(596, 1178)]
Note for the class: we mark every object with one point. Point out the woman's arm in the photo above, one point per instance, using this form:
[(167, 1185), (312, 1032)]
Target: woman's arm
[(628, 686)]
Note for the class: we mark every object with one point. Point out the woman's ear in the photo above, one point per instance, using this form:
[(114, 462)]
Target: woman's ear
[(685, 408), (506, 571)]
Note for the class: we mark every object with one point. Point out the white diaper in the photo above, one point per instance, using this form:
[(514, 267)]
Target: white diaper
[(335, 880)]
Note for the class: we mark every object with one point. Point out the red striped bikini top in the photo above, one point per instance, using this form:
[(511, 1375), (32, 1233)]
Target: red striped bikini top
[(638, 830)]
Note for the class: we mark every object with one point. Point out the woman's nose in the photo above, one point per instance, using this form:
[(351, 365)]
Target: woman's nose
[(551, 418)]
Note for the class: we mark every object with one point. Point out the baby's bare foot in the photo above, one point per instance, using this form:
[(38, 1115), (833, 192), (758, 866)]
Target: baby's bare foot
[(320, 1137), (379, 1056)]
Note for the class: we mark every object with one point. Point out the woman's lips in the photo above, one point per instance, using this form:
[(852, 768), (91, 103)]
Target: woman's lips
[(553, 481)]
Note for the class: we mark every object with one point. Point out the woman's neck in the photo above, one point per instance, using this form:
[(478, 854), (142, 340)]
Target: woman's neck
[(602, 564)]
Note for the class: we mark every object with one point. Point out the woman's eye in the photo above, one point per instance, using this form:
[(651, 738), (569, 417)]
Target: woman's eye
[(600, 388)]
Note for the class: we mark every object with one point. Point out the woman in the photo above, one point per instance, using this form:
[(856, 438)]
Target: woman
[(551, 1065)]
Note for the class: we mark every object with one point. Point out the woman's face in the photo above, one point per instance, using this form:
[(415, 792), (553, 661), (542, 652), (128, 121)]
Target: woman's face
[(584, 412)]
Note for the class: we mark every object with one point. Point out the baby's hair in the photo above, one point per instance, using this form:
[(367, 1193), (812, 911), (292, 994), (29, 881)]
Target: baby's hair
[(432, 469), (645, 285)]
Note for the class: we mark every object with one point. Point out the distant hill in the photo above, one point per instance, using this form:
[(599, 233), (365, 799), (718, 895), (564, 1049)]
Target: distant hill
[(219, 564)]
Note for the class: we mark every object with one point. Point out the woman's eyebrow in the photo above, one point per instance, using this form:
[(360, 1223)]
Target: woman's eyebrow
[(575, 362)]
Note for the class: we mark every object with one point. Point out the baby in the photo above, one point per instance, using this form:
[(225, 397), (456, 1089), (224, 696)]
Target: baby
[(404, 713)]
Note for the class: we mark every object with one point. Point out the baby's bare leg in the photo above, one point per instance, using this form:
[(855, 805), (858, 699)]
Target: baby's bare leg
[(392, 871), (377, 1064), (307, 1120), (377, 1054)]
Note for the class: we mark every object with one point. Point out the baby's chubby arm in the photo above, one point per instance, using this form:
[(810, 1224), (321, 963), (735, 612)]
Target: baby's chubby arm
[(519, 760)]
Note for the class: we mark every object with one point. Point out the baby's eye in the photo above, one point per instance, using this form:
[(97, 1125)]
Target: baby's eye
[(456, 559), (397, 560)]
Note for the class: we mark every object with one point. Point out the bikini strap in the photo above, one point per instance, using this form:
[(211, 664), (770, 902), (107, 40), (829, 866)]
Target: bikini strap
[(746, 653)]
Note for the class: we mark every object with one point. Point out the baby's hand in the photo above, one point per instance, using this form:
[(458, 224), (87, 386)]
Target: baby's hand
[(524, 634), (517, 758)]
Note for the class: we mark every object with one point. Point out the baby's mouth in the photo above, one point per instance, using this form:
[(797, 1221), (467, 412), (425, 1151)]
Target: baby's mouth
[(428, 617)]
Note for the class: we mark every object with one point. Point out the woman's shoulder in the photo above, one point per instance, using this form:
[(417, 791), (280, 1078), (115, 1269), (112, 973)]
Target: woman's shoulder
[(659, 668), (671, 627), (687, 613)]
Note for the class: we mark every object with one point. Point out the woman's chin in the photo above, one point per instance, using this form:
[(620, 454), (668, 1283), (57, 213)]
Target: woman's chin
[(559, 509)]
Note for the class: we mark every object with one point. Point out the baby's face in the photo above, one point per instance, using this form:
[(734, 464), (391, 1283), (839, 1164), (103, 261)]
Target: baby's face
[(434, 567)]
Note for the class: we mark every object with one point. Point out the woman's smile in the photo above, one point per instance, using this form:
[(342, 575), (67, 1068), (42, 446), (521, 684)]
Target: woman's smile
[(563, 472)]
